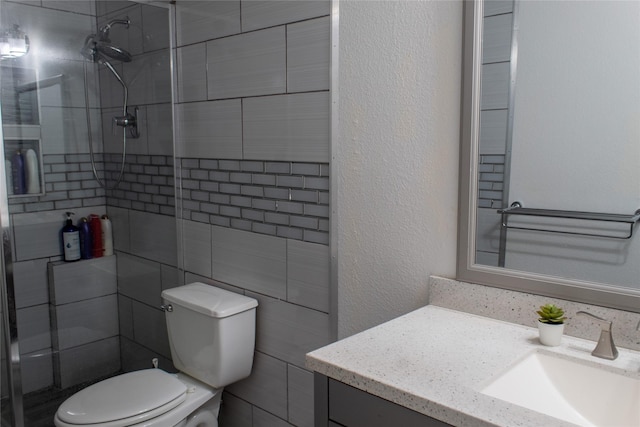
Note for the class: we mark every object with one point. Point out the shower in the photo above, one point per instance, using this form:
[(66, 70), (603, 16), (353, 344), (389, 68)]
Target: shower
[(99, 49)]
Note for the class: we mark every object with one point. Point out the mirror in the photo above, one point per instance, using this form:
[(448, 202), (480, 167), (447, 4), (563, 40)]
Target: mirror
[(551, 120)]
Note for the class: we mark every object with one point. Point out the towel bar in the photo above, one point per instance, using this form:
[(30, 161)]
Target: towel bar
[(516, 208)]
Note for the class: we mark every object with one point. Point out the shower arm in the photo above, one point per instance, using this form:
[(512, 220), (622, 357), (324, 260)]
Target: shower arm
[(127, 120), (104, 31), (124, 86)]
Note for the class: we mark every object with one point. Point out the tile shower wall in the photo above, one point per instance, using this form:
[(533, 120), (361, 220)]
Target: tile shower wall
[(144, 224), (253, 148), (147, 183), (142, 206), (69, 184)]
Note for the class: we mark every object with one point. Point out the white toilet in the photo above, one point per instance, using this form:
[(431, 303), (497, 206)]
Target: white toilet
[(212, 337)]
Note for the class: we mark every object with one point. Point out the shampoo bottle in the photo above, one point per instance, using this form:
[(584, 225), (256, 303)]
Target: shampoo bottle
[(96, 236), (107, 235), (32, 173), (71, 240), (17, 169), (9, 170), (86, 247)]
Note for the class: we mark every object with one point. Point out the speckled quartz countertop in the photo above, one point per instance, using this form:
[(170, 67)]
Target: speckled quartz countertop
[(435, 361)]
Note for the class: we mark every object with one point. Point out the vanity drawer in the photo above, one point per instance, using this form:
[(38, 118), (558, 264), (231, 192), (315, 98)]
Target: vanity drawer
[(351, 407)]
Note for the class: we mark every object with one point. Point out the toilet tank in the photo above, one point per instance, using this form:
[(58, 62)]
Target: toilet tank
[(211, 332)]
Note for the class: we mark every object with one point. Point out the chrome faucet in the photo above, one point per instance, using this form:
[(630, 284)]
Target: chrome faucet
[(605, 348)]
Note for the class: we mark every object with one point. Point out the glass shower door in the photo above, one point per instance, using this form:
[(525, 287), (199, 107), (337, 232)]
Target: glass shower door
[(13, 43), (60, 105)]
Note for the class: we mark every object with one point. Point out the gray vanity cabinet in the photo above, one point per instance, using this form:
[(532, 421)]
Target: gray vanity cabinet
[(340, 405)]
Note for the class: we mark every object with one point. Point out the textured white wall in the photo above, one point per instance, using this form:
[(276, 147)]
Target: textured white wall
[(397, 155)]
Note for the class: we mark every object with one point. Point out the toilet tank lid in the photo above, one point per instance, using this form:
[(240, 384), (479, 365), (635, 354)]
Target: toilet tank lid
[(209, 300)]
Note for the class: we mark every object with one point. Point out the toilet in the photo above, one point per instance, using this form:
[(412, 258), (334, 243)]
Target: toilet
[(212, 338)]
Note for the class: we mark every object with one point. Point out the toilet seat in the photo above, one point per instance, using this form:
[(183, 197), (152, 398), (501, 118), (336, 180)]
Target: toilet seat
[(123, 400)]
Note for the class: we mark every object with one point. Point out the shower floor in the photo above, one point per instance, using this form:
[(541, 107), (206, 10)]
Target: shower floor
[(41, 406)]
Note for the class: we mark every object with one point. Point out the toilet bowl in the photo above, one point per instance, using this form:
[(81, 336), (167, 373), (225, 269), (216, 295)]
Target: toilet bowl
[(212, 338)]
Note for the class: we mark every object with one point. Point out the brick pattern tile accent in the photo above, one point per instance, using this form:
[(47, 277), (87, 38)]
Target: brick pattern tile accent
[(491, 181), (147, 184), (285, 199), (68, 184)]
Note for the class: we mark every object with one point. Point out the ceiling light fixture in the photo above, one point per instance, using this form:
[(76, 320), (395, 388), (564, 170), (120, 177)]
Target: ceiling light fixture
[(14, 43)]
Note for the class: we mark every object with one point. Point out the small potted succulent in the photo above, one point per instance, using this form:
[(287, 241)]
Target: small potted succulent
[(551, 324)]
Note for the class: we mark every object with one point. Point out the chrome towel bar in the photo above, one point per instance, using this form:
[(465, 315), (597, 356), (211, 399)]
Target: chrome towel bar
[(516, 208)]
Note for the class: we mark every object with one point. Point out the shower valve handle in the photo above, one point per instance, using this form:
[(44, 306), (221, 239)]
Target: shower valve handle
[(128, 121), (125, 121)]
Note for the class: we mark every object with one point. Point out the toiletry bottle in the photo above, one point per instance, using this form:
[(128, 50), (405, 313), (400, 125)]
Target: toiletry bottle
[(32, 174), (96, 235), (71, 240), (86, 248), (9, 170), (18, 178), (107, 235)]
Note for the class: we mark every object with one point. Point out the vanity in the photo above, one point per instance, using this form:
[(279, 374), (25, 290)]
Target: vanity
[(434, 366)]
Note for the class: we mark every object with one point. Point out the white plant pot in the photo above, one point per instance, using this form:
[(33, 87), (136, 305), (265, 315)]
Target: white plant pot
[(550, 334)]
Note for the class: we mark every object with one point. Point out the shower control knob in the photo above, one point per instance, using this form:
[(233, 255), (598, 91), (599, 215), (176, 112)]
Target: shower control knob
[(125, 121)]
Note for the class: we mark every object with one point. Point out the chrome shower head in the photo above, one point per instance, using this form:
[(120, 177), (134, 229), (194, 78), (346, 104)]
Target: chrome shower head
[(113, 52), (98, 47)]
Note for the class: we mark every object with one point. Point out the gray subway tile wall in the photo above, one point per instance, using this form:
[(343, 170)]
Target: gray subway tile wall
[(293, 127), (34, 322), (267, 13), (86, 362), (209, 129), (493, 131), (266, 388), (252, 261), (198, 21), (307, 55), (97, 317), (252, 148), (147, 183), (491, 181), (98, 277), (249, 64), (253, 187), (83, 319), (300, 386)]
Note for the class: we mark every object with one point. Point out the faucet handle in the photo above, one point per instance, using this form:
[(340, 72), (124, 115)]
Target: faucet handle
[(605, 349)]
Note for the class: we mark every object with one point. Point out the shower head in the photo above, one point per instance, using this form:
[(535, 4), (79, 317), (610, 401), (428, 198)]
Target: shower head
[(98, 47), (100, 50), (113, 52)]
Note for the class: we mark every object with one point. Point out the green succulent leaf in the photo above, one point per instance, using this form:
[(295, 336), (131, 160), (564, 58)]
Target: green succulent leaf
[(550, 313)]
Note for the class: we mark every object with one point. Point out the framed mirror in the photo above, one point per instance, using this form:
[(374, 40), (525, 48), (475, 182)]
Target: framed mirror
[(550, 150)]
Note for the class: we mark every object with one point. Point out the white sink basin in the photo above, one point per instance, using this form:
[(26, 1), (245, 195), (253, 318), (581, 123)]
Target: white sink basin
[(572, 390)]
